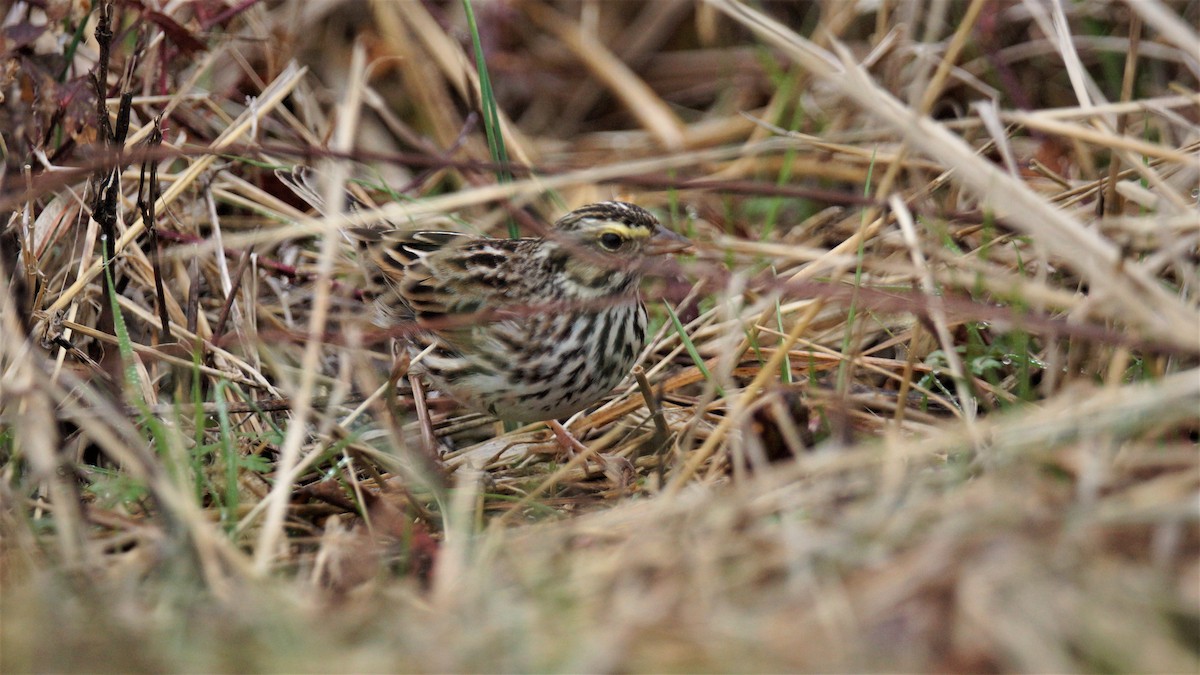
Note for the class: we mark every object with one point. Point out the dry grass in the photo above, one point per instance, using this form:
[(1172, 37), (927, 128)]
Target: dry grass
[(935, 403)]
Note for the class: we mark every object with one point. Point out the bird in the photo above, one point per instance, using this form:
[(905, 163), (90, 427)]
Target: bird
[(526, 330)]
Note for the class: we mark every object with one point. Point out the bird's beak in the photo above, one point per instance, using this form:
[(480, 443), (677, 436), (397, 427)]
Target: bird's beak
[(664, 241)]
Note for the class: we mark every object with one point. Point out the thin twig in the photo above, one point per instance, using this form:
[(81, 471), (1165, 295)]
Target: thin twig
[(662, 433)]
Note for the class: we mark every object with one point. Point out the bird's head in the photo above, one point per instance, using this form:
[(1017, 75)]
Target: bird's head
[(603, 248)]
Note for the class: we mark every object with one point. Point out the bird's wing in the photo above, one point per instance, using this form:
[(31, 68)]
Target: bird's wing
[(444, 277)]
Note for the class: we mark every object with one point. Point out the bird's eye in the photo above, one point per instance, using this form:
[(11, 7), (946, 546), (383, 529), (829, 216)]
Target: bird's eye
[(611, 241)]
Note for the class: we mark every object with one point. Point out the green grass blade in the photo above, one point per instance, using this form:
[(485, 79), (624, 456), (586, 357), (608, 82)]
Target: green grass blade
[(691, 349), (491, 113)]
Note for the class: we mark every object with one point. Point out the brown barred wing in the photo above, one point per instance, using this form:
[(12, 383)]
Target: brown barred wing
[(441, 276)]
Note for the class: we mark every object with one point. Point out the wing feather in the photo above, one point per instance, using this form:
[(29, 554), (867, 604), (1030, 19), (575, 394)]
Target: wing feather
[(441, 274)]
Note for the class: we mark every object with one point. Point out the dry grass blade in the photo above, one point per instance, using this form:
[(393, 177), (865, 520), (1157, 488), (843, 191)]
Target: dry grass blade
[(921, 397), (270, 97), (1131, 289), (277, 500), (642, 102)]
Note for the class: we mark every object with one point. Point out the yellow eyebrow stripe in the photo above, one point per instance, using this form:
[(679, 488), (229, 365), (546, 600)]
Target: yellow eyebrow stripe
[(624, 230)]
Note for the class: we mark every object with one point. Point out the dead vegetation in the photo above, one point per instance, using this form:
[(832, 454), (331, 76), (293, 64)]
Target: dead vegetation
[(927, 397)]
